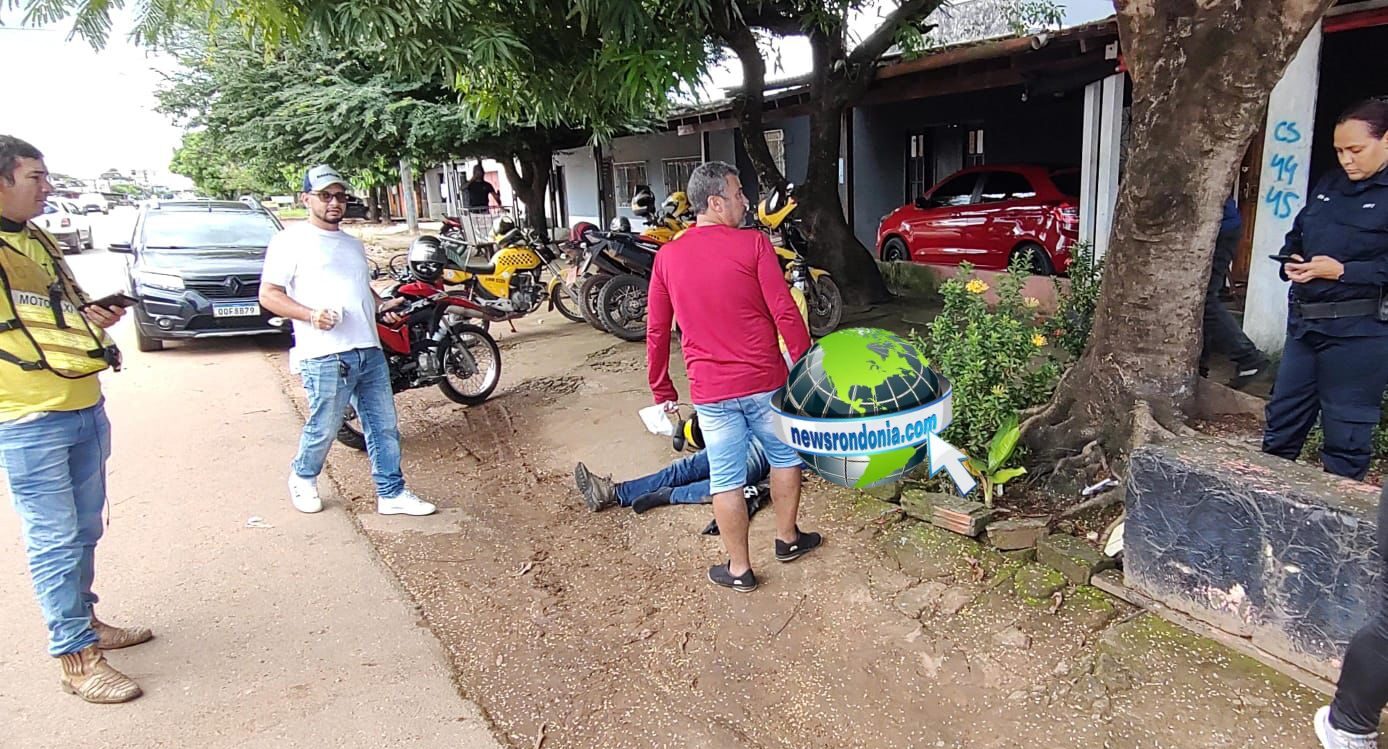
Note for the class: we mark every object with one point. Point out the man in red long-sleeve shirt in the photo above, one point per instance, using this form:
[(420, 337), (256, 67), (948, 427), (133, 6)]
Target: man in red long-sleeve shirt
[(724, 287)]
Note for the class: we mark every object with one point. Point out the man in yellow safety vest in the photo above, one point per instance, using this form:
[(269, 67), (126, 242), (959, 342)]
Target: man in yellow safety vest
[(54, 435)]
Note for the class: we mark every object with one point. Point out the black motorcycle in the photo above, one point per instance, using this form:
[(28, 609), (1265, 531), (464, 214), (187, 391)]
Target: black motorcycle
[(622, 265)]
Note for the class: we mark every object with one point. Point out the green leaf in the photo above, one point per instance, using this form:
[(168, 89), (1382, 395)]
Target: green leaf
[(1007, 474), (1004, 442)]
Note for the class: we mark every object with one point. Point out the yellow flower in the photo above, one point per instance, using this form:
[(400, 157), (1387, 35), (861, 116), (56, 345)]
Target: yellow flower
[(1031, 302), (999, 391), (1038, 340), (976, 286)]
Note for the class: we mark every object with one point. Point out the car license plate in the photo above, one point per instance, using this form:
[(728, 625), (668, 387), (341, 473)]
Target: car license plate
[(250, 309)]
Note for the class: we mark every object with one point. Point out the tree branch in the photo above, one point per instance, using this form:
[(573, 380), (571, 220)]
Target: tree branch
[(879, 41)]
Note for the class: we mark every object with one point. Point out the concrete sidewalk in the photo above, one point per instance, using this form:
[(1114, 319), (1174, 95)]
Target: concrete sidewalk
[(287, 636)]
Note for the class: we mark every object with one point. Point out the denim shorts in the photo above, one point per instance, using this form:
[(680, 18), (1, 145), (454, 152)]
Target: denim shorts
[(727, 427)]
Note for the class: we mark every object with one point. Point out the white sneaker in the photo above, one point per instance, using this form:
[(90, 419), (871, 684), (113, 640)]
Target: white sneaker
[(1333, 738), (406, 503), (304, 493)]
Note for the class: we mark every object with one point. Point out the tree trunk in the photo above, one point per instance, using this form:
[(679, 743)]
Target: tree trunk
[(407, 203), (530, 180), (373, 206), (832, 241), (838, 80), (383, 202), (1201, 79)]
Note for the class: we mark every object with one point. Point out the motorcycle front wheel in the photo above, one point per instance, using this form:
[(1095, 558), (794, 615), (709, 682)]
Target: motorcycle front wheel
[(589, 291), (826, 307), (567, 307), (622, 307), (471, 365)]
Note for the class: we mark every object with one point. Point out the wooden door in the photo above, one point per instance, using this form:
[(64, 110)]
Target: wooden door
[(1248, 195)]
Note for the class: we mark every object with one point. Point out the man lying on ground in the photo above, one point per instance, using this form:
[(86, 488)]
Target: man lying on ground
[(685, 481)]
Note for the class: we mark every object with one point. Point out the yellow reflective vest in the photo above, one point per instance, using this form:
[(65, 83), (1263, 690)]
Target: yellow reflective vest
[(49, 353)]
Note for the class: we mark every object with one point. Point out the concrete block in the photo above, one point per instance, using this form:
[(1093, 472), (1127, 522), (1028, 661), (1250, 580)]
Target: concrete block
[(885, 492), (1009, 535), (920, 504), (1072, 557), (1038, 581), (1267, 549)]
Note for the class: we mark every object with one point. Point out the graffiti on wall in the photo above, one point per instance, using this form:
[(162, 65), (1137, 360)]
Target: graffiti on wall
[(1282, 167)]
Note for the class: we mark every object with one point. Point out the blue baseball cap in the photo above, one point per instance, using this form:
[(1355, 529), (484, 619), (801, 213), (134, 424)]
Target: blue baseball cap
[(322, 176)]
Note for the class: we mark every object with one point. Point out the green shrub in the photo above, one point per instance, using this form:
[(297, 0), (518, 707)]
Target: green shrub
[(1074, 317), (997, 360)]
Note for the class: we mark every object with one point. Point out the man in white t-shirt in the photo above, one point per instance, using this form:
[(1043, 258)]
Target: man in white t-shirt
[(316, 275)]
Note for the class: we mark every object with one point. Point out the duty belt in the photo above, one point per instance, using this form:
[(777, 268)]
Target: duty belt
[(1335, 310)]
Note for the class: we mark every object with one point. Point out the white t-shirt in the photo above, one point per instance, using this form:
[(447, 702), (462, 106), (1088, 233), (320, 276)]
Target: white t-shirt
[(324, 270)]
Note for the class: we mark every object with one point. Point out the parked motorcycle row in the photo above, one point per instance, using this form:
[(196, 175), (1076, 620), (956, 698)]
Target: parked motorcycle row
[(616, 265), (453, 293)]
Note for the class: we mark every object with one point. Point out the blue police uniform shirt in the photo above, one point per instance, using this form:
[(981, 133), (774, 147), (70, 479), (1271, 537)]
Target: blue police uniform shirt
[(1348, 221)]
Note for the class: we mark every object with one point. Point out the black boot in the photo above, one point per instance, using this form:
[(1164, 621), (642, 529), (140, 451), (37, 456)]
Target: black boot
[(1246, 374), (599, 493)]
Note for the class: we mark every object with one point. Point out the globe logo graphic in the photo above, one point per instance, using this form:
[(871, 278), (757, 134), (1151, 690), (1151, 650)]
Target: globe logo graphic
[(860, 407)]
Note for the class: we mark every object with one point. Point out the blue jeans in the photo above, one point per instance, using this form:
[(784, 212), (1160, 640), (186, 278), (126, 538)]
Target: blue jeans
[(361, 378), (56, 466), (687, 479), (728, 427)]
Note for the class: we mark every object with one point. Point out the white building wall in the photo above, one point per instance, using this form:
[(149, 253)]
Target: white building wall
[(1284, 184)]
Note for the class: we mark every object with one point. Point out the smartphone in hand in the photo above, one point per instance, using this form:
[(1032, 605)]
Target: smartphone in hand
[(1284, 259), (118, 299)]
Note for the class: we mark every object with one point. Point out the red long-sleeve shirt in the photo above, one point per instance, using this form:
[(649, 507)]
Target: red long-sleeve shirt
[(727, 292)]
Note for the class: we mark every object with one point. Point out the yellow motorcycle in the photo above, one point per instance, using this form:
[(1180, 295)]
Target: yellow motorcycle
[(820, 293), (509, 284)]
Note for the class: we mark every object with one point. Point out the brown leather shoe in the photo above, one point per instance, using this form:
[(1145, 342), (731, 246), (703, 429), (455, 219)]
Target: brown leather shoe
[(114, 638), (87, 675)]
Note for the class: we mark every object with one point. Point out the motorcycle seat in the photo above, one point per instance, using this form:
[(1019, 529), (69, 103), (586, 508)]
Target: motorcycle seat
[(479, 267)]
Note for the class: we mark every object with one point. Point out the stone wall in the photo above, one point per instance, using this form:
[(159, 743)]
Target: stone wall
[(1275, 551), (919, 279)]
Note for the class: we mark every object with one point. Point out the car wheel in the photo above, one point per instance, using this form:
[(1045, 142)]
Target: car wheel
[(144, 342), (1039, 261), (90, 244), (894, 251)]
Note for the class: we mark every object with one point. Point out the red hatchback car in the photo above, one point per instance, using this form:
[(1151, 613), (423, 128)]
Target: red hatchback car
[(987, 215)]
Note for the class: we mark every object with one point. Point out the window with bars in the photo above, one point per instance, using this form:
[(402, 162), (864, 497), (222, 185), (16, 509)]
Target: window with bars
[(973, 154), (920, 166), (677, 173), (626, 178)]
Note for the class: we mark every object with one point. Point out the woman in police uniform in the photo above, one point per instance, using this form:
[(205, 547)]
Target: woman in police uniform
[(1335, 362), (1336, 365)]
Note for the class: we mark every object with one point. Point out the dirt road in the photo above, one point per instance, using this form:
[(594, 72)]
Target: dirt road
[(600, 630), (569, 629), (291, 635)]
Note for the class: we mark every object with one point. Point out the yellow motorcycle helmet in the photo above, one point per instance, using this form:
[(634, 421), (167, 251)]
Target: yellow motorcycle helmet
[(688, 435), (677, 205), (778, 204)]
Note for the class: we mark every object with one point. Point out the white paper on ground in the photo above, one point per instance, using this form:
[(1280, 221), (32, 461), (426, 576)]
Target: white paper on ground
[(656, 421)]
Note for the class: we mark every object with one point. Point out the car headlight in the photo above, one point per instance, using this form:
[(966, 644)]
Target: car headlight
[(160, 280)]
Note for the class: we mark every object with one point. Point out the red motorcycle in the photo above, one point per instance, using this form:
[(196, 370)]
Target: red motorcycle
[(433, 345)]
